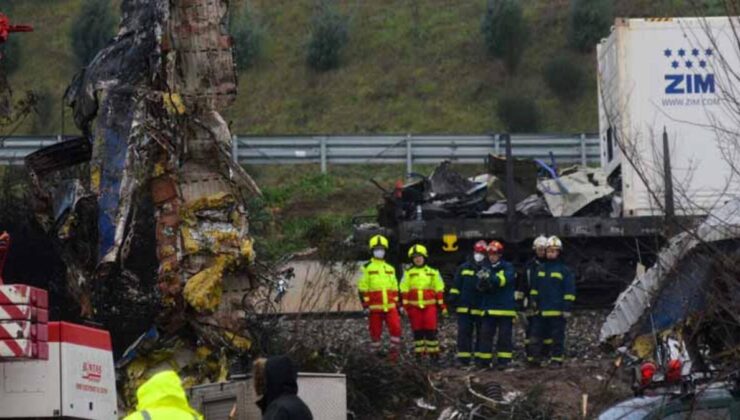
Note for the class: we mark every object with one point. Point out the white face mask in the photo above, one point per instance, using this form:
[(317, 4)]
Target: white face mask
[(478, 257), (379, 253)]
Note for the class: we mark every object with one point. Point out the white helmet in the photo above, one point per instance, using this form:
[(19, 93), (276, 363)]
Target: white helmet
[(554, 242), (540, 242)]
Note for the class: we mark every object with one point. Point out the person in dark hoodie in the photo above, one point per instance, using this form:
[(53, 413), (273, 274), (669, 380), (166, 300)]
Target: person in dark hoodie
[(276, 382)]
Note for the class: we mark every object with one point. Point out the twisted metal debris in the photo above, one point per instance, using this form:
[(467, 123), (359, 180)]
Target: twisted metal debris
[(161, 183)]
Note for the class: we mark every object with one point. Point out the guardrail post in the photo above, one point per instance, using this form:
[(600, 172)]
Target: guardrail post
[(409, 155), (584, 161), (497, 144), (323, 154), (235, 148)]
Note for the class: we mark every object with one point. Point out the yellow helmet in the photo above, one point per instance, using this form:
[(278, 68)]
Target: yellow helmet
[(418, 250), (378, 240)]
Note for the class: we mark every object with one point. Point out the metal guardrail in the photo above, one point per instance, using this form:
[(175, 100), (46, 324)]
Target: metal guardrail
[(382, 149)]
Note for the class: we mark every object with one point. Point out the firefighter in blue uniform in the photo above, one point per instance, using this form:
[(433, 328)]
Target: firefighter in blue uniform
[(499, 310), (465, 295), (554, 292), (524, 285)]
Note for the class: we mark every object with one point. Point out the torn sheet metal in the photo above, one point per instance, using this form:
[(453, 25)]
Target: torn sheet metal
[(570, 193), (525, 175), (673, 286)]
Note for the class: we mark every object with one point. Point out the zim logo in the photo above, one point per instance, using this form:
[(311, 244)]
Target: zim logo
[(689, 71)]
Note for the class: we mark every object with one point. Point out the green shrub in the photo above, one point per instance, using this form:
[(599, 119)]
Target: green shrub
[(92, 29), (565, 77), (518, 113), (44, 110), (329, 34), (590, 21), (248, 35), (505, 31)]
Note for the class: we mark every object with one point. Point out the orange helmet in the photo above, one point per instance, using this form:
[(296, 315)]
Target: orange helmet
[(495, 247), (480, 247)]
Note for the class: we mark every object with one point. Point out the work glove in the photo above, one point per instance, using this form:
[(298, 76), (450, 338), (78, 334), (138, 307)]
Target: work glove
[(566, 315)]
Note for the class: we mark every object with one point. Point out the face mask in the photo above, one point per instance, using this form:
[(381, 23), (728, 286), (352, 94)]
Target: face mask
[(478, 257), (379, 253)]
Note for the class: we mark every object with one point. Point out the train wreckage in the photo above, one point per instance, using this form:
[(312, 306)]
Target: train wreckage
[(148, 209)]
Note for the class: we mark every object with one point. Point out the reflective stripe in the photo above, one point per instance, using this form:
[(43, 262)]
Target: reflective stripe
[(433, 350), (556, 275), (557, 358), (467, 273), (418, 343), (477, 312), (530, 359), (462, 310), (421, 304), (541, 274), (464, 354), (548, 341), (420, 349), (569, 297), (534, 292), (504, 355), (454, 291), (518, 295), (551, 313), (432, 343), (526, 341), (501, 312), (501, 278), (484, 355)]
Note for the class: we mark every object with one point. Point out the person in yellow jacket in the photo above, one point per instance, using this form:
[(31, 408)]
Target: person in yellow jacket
[(163, 398), (378, 288), (422, 292)]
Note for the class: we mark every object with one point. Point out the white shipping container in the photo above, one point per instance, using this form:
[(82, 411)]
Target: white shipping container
[(677, 74)]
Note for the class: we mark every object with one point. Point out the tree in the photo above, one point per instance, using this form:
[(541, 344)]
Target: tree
[(92, 29), (505, 31), (329, 34), (518, 113), (565, 77), (248, 35), (11, 55), (590, 21)]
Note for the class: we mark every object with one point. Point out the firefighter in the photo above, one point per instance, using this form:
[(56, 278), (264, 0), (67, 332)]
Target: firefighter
[(378, 289), (466, 296), (163, 397), (422, 292), (524, 285), (499, 309), (554, 292)]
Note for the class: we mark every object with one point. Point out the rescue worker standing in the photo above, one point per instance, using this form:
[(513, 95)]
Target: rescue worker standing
[(524, 285), (163, 398), (466, 296), (378, 289), (422, 292), (499, 309), (554, 292)]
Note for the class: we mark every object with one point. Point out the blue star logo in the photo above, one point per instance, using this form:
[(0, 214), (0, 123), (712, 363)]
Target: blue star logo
[(689, 64), (667, 52), (708, 52), (674, 64), (702, 63), (681, 52), (695, 52)]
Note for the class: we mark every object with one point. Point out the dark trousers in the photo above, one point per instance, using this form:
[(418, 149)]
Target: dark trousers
[(468, 335), (490, 325), (548, 330)]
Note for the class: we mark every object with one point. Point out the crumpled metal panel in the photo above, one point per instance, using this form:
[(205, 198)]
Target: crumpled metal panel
[(655, 288), (582, 187)]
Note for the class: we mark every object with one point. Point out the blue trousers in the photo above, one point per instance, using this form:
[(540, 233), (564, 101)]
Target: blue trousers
[(489, 327), (468, 336), (548, 330)]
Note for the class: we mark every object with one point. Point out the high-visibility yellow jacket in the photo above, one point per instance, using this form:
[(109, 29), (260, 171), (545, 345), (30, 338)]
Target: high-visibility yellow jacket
[(163, 398), (422, 286), (378, 286)]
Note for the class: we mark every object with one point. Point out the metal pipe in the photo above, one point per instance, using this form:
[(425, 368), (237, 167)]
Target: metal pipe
[(670, 210), (510, 201)]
